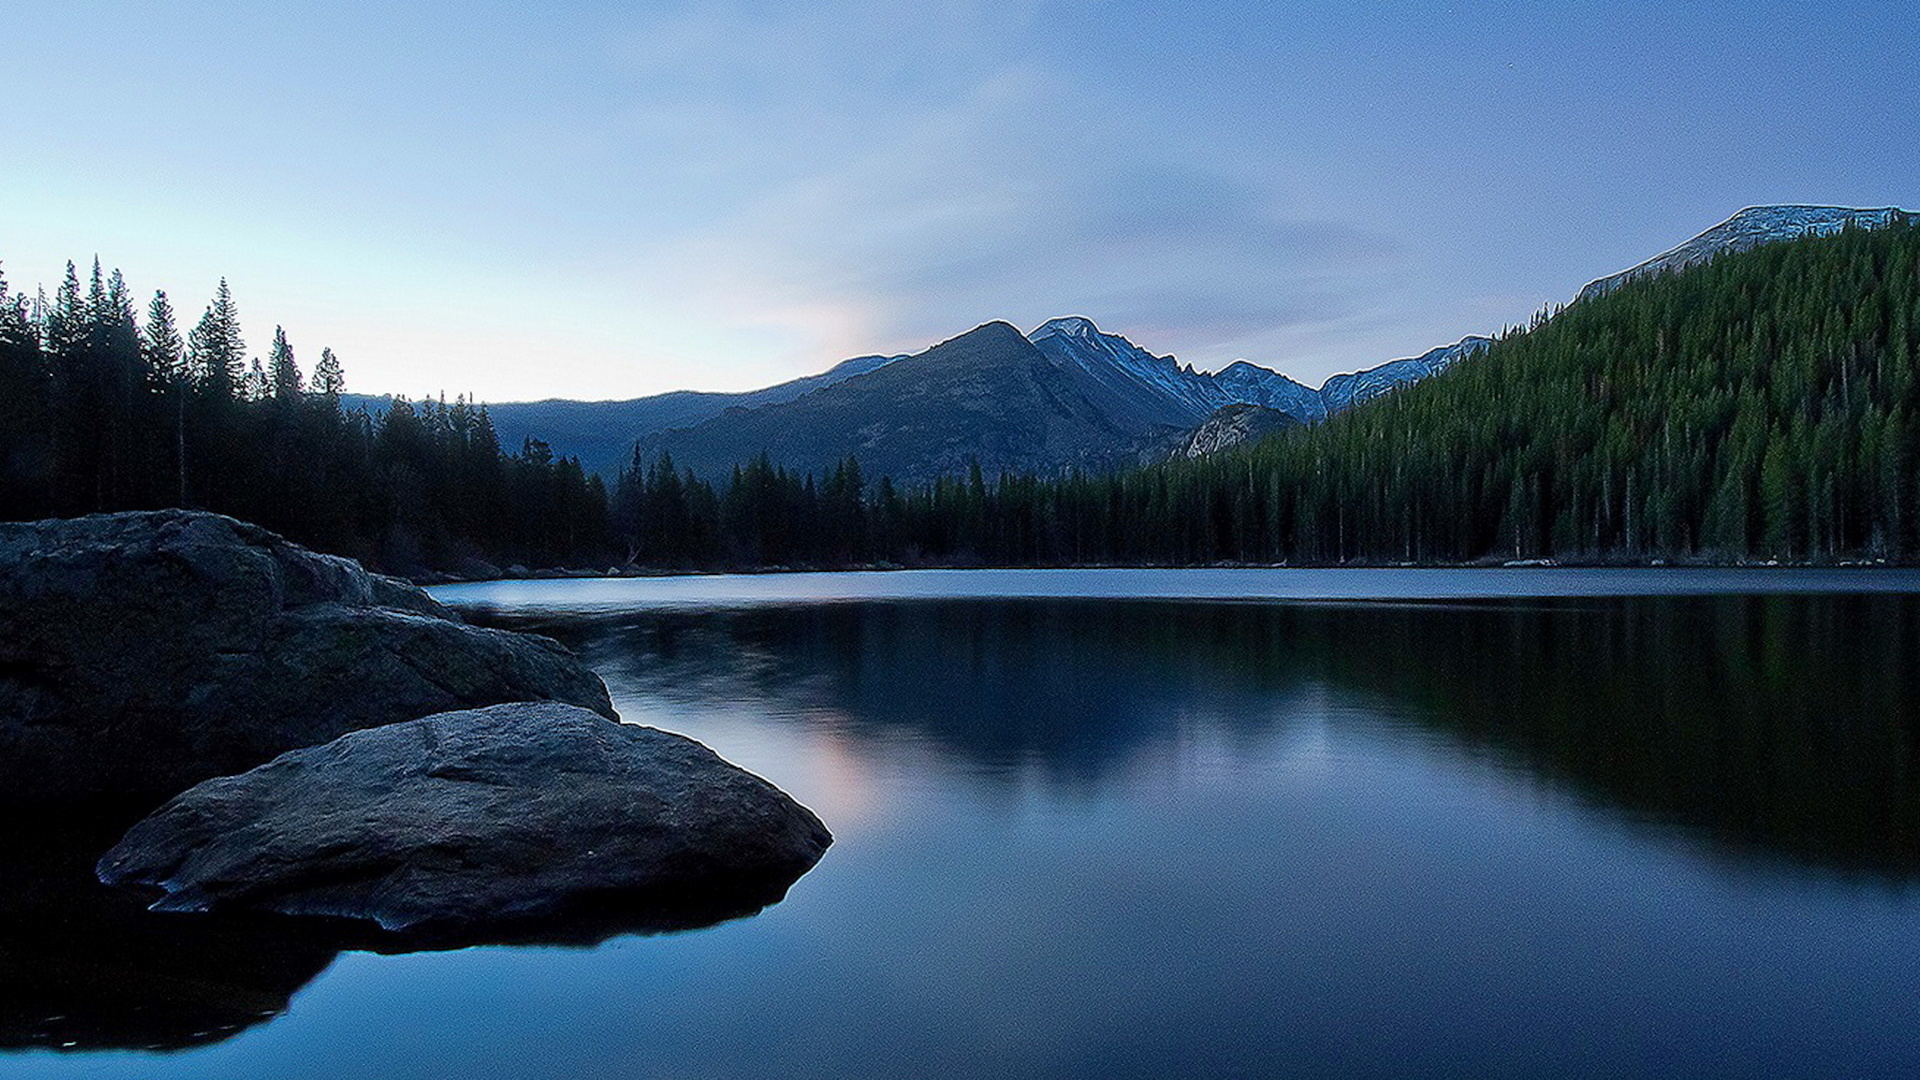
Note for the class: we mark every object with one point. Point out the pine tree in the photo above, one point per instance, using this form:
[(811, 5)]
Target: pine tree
[(166, 356), (161, 344), (328, 378), (16, 328), (66, 319), (255, 386), (216, 352), (25, 448), (283, 372)]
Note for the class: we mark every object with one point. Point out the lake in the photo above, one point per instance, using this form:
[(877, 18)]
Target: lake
[(1528, 822)]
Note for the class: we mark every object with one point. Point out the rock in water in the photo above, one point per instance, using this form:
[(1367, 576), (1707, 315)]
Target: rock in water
[(143, 652), (514, 814)]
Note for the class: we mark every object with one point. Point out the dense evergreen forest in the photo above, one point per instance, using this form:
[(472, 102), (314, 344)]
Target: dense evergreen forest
[(105, 409), (1759, 407)]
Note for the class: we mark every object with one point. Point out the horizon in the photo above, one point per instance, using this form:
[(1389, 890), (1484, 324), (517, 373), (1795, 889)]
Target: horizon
[(441, 395), (1320, 383), (603, 204)]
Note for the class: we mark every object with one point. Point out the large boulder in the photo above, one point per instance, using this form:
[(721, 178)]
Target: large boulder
[(514, 815), (143, 652)]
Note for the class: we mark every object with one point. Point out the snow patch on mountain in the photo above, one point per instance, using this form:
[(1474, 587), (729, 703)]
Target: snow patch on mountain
[(1146, 391), (1251, 384), (1748, 229), (1342, 392), (1139, 390)]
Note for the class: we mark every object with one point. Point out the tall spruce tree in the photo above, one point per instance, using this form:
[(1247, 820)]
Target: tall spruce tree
[(283, 372), (216, 352), (329, 380), (165, 354), (65, 319), (25, 448)]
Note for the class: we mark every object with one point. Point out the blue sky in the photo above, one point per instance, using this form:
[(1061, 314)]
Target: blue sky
[(609, 200)]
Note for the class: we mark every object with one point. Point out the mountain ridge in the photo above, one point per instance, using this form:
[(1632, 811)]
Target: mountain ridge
[(1152, 402), (1133, 406), (1749, 228), (1102, 403), (986, 397), (602, 433)]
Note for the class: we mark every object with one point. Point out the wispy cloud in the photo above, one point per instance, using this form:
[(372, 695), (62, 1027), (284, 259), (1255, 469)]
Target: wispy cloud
[(885, 179), (587, 198)]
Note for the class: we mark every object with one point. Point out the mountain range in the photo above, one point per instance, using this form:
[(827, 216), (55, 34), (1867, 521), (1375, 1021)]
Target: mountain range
[(1098, 401), (1066, 395)]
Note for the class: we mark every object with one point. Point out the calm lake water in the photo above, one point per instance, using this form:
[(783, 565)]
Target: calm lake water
[(1133, 823)]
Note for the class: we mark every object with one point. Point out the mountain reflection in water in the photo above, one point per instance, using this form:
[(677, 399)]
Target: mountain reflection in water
[(1625, 835), (1763, 721)]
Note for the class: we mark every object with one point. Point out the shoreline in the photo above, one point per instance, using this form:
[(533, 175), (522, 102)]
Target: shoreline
[(434, 578)]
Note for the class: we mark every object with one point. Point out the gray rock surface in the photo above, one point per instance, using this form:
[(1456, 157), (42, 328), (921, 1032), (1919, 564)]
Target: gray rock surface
[(143, 652), (1234, 425), (511, 814)]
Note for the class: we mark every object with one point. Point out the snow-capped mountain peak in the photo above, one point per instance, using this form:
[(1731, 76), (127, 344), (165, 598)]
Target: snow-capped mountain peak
[(1138, 390), (1077, 326), (1143, 392), (1750, 228)]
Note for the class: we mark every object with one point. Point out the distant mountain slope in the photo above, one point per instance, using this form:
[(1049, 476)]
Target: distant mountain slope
[(1759, 406), (1146, 405), (602, 433), (1342, 392), (1246, 383), (988, 395), (1143, 393), (1141, 407), (1748, 229)]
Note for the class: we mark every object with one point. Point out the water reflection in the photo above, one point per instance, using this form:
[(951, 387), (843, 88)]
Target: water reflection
[(87, 967), (1106, 838), (1764, 721)]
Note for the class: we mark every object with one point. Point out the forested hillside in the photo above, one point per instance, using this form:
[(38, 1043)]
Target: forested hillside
[(1759, 406), (103, 409)]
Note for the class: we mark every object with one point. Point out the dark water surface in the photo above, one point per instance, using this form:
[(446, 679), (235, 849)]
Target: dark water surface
[(1639, 823)]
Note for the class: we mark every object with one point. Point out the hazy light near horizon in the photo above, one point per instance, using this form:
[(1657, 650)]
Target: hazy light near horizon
[(598, 200)]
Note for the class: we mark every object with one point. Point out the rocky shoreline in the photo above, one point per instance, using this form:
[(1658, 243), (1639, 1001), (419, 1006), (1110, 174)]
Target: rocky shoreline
[(334, 746)]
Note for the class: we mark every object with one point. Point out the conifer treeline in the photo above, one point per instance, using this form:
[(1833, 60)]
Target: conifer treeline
[(102, 409), (1762, 406)]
